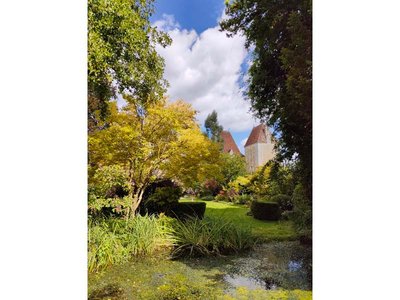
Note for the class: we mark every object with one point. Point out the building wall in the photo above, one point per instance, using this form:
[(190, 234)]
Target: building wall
[(258, 154), (251, 155)]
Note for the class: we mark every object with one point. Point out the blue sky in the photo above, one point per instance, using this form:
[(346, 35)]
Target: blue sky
[(191, 14), (203, 66)]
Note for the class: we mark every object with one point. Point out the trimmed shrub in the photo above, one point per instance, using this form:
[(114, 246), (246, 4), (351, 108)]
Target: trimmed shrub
[(265, 210), (183, 210), (284, 201), (207, 198)]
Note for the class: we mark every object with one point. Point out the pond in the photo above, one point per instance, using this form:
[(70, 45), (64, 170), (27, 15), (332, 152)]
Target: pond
[(272, 266)]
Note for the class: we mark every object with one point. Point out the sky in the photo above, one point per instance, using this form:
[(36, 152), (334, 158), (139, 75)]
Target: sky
[(203, 66)]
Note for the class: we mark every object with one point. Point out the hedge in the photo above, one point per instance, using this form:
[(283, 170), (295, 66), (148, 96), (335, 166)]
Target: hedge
[(265, 210), (182, 210)]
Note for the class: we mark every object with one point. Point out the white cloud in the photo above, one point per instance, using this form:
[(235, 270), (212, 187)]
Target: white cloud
[(167, 23), (204, 70)]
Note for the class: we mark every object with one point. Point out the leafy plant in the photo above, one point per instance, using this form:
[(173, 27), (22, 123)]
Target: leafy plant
[(302, 212), (232, 167), (221, 197), (210, 236), (163, 198), (114, 241), (241, 184), (211, 187), (165, 141), (207, 198), (243, 199), (104, 248), (284, 201), (122, 56)]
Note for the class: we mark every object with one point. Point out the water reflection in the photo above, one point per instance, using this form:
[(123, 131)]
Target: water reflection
[(276, 265), (285, 265)]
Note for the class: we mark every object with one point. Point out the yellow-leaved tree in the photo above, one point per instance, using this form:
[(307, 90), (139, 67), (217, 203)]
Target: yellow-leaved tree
[(166, 141)]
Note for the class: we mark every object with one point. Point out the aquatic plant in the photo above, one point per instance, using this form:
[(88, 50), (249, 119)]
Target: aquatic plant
[(114, 241), (210, 236), (104, 248)]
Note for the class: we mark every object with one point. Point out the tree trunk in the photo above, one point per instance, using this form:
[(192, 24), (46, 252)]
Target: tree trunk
[(136, 199)]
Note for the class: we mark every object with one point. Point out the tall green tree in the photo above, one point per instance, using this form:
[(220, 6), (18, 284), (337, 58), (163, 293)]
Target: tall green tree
[(232, 166), (121, 55), (280, 77), (213, 129)]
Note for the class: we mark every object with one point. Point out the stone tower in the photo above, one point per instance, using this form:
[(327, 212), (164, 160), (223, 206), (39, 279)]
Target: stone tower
[(229, 144), (259, 148)]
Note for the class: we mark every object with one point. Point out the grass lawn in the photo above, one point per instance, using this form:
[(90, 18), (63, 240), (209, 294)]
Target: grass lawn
[(266, 230)]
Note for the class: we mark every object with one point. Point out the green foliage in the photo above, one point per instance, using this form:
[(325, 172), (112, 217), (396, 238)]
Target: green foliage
[(259, 181), (213, 129), (207, 198), (108, 191), (108, 181), (114, 241), (265, 210), (166, 142), (210, 236), (210, 187), (240, 184), (121, 54), (302, 212), (232, 167), (243, 199), (221, 197), (284, 201), (105, 248), (163, 198), (184, 210), (280, 77)]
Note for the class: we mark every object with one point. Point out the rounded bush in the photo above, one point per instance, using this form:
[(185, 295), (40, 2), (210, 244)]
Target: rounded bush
[(284, 201), (207, 198), (183, 210), (265, 210)]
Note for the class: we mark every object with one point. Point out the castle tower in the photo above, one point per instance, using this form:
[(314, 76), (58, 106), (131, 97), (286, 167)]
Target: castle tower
[(259, 148), (229, 143)]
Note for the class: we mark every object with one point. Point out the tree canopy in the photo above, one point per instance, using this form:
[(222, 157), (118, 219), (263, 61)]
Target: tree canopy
[(121, 54), (232, 167), (213, 129), (280, 77), (167, 142)]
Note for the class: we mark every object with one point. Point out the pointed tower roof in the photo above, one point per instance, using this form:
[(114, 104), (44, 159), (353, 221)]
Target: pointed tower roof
[(229, 143), (257, 135)]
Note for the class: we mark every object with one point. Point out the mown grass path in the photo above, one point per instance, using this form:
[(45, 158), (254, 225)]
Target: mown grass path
[(265, 230)]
